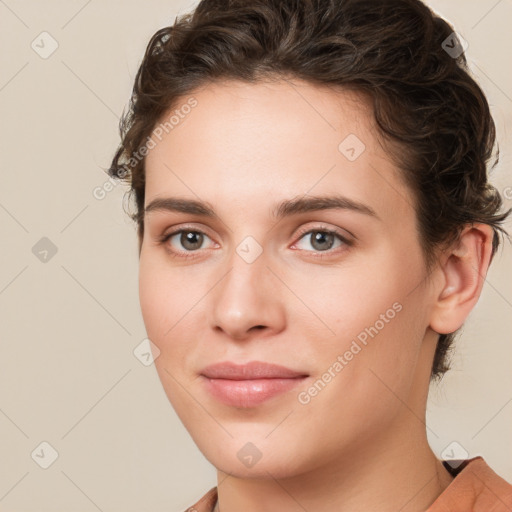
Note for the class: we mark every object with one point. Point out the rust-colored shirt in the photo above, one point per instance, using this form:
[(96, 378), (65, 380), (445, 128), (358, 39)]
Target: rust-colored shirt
[(475, 488)]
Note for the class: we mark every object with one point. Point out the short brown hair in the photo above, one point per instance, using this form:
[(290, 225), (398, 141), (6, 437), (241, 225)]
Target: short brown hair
[(424, 100)]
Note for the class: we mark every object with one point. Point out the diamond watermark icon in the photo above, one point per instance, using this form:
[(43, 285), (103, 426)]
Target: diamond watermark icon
[(454, 454), (44, 45), (351, 147), (249, 249), (249, 455), (44, 455), (454, 45), (44, 250), (146, 352)]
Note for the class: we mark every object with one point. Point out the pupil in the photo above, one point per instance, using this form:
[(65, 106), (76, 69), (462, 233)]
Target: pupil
[(187, 240), (320, 236)]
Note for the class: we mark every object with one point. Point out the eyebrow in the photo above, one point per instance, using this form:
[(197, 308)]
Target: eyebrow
[(284, 209)]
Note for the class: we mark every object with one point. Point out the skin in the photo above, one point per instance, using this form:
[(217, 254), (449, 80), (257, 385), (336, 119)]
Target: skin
[(360, 443)]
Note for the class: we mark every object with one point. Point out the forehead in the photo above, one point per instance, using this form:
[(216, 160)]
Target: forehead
[(254, 143)]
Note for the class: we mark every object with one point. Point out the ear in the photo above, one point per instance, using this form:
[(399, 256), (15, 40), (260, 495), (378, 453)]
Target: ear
[(463, 269)]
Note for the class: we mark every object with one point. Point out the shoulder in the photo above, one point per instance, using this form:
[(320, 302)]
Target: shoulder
[(206, 503), (476, 487)]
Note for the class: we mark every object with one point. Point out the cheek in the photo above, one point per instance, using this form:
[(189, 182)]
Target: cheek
[(350, 299), (162, 299), (171, 302), (366, 314), (152, 296), (365, 370), (164, 304)]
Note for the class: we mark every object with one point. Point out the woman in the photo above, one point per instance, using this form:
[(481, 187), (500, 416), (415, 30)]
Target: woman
[(315, 223)]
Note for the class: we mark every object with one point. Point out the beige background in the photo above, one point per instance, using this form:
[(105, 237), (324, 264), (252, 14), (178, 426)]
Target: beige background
[(68, 375)]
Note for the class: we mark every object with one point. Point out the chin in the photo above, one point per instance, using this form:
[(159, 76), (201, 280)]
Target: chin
[(262, 470), (241, 458)]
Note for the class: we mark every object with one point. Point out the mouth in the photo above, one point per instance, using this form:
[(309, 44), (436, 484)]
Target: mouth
[(251, 384), (249, 392)]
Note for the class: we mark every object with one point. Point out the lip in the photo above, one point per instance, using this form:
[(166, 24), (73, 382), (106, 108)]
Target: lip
[(250, 371), (250, 384)]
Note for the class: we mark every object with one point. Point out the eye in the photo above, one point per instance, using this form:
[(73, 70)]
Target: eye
[(184, 241), (322, 240)]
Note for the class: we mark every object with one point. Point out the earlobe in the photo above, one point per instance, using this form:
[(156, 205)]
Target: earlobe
[(463, 270)]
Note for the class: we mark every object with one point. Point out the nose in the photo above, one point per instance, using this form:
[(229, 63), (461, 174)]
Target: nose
[(247, 301)]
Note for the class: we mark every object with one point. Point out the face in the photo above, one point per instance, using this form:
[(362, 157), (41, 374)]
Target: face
[(332, 289)]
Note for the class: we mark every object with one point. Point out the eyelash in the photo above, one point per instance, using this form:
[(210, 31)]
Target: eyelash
[(306, 231)]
